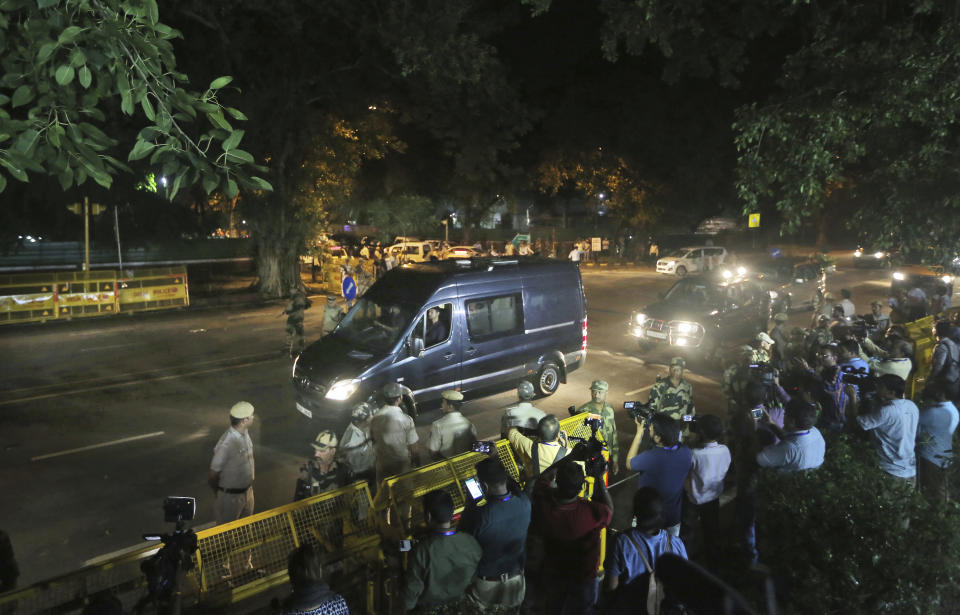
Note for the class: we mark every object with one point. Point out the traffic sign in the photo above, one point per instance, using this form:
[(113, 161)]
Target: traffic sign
[(776, 253), (349, 288), (753, 221)]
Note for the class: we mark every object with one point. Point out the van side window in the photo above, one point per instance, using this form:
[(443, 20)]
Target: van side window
[(494, 317), (434, 326)]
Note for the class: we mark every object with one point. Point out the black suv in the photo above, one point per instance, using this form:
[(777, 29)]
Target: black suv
[(703, 314), (792, 285)]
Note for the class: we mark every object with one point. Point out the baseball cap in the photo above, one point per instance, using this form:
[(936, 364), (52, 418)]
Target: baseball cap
[(678, 361), (599, 385), (241, 410), (393, 389), (452, 395), (780, 317), (325, 439)]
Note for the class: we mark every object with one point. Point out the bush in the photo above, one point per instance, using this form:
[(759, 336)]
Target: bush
[(835, 540)]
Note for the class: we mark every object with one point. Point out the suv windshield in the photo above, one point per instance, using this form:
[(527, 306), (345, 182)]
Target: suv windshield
[(696, 292), (375, 325)]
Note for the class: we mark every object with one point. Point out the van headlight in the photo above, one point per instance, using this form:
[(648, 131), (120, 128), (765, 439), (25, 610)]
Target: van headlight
[(639, 319), (342, 389), (898, 276)]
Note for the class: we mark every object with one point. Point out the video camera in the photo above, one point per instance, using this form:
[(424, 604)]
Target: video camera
[(860, 377), (638, 410), (175, 556), (485, 447), (589, 451)]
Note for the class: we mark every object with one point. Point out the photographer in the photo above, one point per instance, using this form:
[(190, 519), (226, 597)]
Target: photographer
[(500, 527), (837, 399), (801, 446), (945, 368), (894, 428), (538, 455), (704, 485), (664, 467), (569, 528)]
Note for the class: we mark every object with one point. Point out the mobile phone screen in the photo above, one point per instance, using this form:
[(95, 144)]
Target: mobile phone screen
[(473, 488)]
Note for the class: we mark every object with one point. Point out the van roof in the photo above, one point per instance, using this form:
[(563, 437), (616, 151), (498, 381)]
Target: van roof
[(417, 282)]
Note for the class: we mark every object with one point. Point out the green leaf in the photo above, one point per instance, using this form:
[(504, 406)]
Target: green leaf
[(64, 74), (236, 114), (210, 183), (77, 58), (141, 149), (148, 108), (233, 140), (153, 13), (126, 102), (15, 171), (219, 121), (54, 133), (240, 155), (3, 183), (46, 51), (231, 189), (85, 76), (66, 178), (220, 82), (44, 4), (4, 99), (22, 95), (26, 142), (70, 34), (262, 184)]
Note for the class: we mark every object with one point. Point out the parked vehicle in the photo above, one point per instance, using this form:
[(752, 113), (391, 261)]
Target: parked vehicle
[(462, 252), (479, 327), (792, 284), (703, 313), (871, 257), (695, 259), (413, 251)]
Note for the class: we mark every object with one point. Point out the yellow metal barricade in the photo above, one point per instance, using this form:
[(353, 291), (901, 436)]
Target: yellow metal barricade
[(154, 289), (91, 293), (920, 333), (27, 297)]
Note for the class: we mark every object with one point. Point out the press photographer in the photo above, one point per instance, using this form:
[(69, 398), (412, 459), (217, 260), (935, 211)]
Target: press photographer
[(166, 569), (539, 454), (664, 467)]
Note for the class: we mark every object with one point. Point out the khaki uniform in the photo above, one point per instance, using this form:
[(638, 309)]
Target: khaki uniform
[(392, 432), (451, 434), (609, 430), (674, 401), (233, 459), (523, 414), (356, 448)]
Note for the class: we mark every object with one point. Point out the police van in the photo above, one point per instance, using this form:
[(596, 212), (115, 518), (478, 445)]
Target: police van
[(477, 325)]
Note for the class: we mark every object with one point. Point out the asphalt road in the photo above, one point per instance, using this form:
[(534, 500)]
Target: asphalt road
[(100, 419)]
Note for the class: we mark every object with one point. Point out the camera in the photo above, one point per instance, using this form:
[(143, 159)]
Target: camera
[(859, 377), (589, 451), (757, 413), (638, 410), (485, 447), (175, 556)]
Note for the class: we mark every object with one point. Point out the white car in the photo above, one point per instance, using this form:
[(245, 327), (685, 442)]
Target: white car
[(693, 259), (462, 252), (412, 251)]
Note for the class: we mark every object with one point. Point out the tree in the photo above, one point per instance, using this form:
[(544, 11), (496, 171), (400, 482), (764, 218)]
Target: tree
[(73, 68)]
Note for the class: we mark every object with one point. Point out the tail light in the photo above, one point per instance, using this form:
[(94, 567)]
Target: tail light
[(583, 340)]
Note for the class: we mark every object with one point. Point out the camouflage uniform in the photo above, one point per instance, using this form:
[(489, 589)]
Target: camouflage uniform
[(734, 381), (295, 308), (674, 401), (609, 430), (759, 355), (312, 481)]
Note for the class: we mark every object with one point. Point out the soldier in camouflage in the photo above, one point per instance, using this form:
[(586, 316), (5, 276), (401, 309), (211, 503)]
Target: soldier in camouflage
[(322, 472), (295, 308), (736, 376), (673, 395), (598, 405), (761, 354)]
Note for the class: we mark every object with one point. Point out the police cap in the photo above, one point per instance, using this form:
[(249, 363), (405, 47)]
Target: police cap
[(241, 410), (325, 439), (780, 317), (678, 361), (392, 389), (525, 390), (599, 385), (452, 395)]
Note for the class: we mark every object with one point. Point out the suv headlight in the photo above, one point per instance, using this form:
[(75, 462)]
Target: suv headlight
[(639, 319), (342, 389), (857, 254), (878, 255), (686, 327)]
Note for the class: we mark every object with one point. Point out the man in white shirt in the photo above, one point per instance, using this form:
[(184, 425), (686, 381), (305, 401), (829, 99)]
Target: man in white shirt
[(452, 433), (801, 445), (894, 429), (849, 310), (394, 436), (356, 448), (232, 470), (575, 254), (704, 485)]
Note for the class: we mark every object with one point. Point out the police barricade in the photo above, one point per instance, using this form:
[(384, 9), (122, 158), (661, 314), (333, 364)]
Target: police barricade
[(920, 333), (334, 268), (153, 289), (90, 293), (238, 560), (27, 297)]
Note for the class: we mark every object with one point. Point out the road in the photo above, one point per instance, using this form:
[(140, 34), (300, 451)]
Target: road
[(100, 419)]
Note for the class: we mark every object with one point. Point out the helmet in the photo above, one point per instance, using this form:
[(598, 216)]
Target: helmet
[(392, 390), (678, 361), (525, 390), (325, 439)]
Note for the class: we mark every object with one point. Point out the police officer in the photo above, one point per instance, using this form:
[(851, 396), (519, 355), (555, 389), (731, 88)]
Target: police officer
[(331, 315), (780, 342), (322, 472), (232, 469), (452, 433), (294, 328), (598, 405), (761, 353), (356, 447), (394, 435), (673, 395), (524, 415)]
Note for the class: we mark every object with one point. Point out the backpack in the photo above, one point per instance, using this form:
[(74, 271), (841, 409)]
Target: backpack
[(655, 591)]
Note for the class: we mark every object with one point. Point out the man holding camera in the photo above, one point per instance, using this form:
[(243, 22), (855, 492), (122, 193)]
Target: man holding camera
[(894, 428), (500, 526), (800, 446), (664, 467), (538, 455), (673, 396), (598, 405)]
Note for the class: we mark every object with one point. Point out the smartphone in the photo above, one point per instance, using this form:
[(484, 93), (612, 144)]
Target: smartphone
[(687, 418), (405, 545), (757, 413), (473, 488)]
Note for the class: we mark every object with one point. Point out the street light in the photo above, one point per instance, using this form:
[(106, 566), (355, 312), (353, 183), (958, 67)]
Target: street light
[(446, 229)]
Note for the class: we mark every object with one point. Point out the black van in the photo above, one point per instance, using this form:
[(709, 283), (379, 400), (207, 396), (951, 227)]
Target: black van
[(477, 325)]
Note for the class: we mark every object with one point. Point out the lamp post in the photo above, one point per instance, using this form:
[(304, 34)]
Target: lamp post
[(446, 229)]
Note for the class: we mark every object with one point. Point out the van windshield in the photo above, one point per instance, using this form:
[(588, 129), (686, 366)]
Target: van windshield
[(375, 325)]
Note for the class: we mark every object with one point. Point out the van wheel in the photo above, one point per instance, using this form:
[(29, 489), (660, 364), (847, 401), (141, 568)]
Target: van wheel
[(548, 380), (681, 271)]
